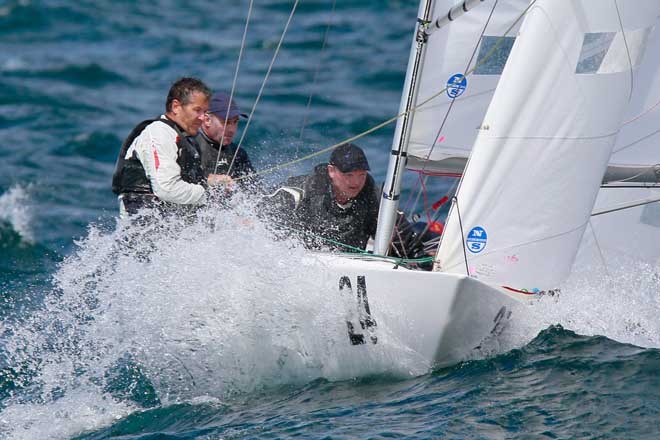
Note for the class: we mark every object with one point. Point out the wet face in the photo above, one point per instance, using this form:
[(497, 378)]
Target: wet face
[(216, 129), (190, 115), (346, 185)]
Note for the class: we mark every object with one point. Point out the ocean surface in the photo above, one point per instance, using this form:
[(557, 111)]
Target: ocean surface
[(203, 338)]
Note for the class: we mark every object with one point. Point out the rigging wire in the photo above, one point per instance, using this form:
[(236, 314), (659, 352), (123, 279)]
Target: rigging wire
[(385, 123), (460, 225), (233, 85), (624, 147), (451, 106), (474, 52), (625, 43), (263, 84), (600, 250), (316, 74), (627, 206)]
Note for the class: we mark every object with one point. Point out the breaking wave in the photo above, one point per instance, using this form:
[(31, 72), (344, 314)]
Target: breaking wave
[(621, 304), (15, 213), (170, 311)]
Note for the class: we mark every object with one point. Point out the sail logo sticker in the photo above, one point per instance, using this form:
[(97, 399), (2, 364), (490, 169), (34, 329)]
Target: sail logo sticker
[(476, 239), (456, 85)]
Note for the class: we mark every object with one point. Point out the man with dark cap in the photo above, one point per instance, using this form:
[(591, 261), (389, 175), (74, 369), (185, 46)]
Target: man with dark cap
[(215, 137), (336, 206)]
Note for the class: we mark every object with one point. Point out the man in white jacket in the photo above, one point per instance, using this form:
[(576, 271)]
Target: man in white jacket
[(159, 164)]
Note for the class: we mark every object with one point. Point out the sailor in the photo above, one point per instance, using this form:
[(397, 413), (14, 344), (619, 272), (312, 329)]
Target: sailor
[(215, 137), (337, 205), (159, 164)]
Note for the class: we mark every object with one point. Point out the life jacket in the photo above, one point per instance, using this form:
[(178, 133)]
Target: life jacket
[(129, 175), (316, 210)]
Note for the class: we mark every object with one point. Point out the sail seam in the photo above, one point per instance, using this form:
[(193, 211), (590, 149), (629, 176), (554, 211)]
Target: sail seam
[(563, 138), (513, 246)]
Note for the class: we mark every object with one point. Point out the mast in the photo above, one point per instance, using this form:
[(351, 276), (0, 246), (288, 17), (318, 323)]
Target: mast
[(392, 188), (389, 204)]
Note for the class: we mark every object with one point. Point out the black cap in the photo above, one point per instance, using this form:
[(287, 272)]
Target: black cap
[(349, 157)]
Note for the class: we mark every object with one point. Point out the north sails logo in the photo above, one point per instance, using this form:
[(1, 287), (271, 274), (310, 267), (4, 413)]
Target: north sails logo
[(476, 239)]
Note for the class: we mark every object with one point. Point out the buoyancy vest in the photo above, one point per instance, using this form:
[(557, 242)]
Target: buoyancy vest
[(317, 211), (129, 175), (216, 160)]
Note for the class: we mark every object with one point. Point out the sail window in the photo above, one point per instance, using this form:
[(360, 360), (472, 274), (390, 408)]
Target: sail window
[(651, 215), (493, 53), (610, 52)]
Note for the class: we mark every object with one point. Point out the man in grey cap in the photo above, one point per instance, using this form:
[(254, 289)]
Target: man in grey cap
[(215, 138), (336, 206)]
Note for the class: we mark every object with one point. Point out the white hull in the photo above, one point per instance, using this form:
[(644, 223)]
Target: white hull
[(441, 317)]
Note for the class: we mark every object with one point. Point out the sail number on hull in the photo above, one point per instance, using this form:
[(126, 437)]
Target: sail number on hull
[(363, 316)]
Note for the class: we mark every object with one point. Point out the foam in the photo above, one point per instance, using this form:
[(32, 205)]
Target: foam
[(15, 209)]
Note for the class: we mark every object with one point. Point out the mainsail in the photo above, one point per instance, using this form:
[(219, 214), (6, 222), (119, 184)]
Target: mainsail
[(544, 145), (445, 128)]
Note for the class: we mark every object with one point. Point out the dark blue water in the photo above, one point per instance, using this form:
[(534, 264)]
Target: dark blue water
[(94, 345)]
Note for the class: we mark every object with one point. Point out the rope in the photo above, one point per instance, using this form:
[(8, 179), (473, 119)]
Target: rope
[(233, 86), (356, 250), (324, 150), (263, 85), (390, 120), (436, 215)]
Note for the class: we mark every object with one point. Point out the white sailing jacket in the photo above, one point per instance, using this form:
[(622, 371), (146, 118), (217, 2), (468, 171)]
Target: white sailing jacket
[(156, 148)]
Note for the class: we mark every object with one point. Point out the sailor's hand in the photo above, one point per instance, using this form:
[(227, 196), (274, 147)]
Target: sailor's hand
[(221, 180)]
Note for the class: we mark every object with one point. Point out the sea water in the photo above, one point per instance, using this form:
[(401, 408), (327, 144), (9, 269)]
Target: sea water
[(214, 329)]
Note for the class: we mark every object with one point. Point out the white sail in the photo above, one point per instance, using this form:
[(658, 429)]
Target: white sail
[(457, 49), (541, 152), (633, 233)]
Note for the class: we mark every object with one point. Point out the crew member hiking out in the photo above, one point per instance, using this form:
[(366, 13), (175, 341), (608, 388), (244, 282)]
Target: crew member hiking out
[(159, 164), (336, 206)]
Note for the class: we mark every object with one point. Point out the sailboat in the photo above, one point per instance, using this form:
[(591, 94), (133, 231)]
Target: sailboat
[(524, 100)]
